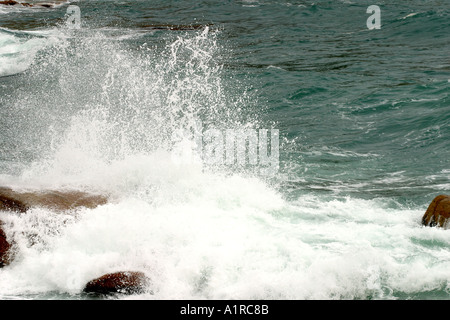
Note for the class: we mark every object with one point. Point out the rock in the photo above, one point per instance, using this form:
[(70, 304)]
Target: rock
[(119, 282), (174, 27), (13, 3), (9, 3), (4, 247), (20, 202), (58, 200), (35, 4), (438, 212), (10, 202)]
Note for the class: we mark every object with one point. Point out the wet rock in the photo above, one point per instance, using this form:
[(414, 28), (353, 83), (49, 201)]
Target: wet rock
[(174, 27), (4, 247), (119, 282), (34, 4), (11, 200), (13, 3), (20, 202), (438, 212), (9, 3)]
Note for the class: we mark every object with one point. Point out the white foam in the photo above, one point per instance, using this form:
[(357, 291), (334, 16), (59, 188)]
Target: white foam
[(18, 53), (410, 15), (206, 236), (196, 233)]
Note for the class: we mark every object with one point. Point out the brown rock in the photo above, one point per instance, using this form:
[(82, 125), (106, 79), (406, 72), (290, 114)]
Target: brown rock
[(34, 4), (58, 200), (13, 3), (20, 202), (119, 282), (4, 247), (10, 202), (9, 3), (438, 212)]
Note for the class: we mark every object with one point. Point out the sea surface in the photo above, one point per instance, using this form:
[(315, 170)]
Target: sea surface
[(109, 104)]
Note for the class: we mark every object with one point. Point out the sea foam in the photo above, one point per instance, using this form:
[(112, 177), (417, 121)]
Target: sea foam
[(105, 125)]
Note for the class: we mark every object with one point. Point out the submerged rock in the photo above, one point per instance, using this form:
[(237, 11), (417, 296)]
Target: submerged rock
[(119, 282), (438, 212), (58, 200), (34, 4), (9, 3), (174, 27), (11, 202), (4, 247), (13, 3)]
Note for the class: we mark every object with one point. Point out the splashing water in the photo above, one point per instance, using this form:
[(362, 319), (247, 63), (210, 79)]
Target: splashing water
[(92, 113)]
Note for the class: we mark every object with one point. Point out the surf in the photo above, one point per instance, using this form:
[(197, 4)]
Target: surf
[(97, 112)]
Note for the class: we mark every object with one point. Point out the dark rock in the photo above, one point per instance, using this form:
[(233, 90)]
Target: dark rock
[(13, 3), (4, 247), (9, 3), (35, 4), (11, 200), (438, 212), (119, 282), (20, 202), (173, 27)]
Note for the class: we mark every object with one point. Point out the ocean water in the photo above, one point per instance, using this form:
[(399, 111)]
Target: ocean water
[(363, 120)]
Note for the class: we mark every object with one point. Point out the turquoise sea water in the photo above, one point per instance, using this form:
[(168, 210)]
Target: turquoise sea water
[(363, 118)]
